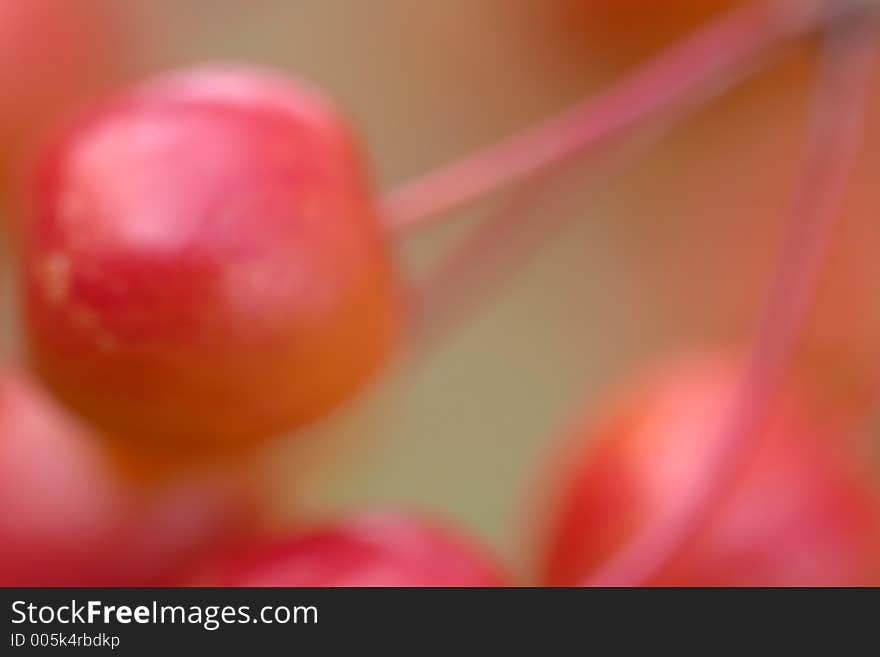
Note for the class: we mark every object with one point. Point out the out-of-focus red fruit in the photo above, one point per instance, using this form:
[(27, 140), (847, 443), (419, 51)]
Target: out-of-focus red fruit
[(187, 520), (52, 52), (204, 265), (67, 519), (367, 550), (799, 515), (635, 27), (59, 500)]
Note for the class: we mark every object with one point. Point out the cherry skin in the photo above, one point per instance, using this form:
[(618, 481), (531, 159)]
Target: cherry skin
[(619, 34), (204, 265), (52, 53), (172, 525), (632, 28), (59, 497), (799, 515), (67, 518), (374, 549)]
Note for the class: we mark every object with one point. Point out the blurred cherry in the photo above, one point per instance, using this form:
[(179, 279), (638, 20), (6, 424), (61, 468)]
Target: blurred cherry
[(204, 265), (800, 515), (375, 549), (67, 518), (61, 503), (623, 31), (52, 54)]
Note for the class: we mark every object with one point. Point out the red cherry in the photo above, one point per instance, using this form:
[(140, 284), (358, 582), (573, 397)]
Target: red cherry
[(52, 52), (366, 550), (204, 265), (174, 525), (60, 503), (637, 25), (799, 515), (67, 519)]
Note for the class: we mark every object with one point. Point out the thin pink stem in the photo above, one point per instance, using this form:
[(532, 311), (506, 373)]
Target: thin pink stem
[(475, 268), (701, 59), (836, 136)]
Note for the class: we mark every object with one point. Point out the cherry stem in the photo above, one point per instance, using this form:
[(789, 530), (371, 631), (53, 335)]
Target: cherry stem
[(682, 69), (838, 115), (475, 268)]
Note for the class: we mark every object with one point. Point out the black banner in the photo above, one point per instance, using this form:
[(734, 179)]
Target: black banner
[(330, 621)]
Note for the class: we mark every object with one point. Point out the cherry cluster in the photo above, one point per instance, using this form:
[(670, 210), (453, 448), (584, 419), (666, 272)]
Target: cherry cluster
[(204, 265)]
